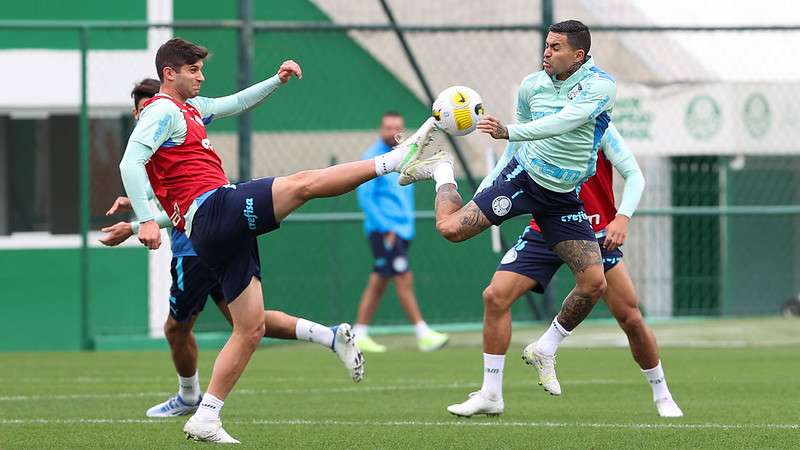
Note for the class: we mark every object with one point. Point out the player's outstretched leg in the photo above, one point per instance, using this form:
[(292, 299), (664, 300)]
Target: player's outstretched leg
[(291, 192), (583, 258), (624, 305), (337, 338), (498, 297)]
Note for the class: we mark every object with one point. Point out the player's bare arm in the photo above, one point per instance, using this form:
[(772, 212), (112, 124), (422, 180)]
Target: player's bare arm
[(454, 222), (493, 127), (116, 234), (616, 232), (579, 256), (121, 204)]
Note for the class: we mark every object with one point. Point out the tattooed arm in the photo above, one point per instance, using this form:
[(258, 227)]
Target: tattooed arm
[(586, 263), (454, 222)]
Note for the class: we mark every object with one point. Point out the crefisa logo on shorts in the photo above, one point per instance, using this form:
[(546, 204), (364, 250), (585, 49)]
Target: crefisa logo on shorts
[(579, 217), (501, 205), (248, 213)]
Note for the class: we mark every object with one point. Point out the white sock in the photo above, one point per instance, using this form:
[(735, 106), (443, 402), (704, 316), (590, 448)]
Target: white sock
[(360, 330), (209, 408), (307, 330), (189, 389), (493, 376), (551, 339), (421, 328), (658, 382), (388, 161), (443, 174)]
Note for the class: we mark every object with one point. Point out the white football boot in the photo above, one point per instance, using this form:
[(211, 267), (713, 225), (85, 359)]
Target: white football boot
[(174, 406), (418, 145), (344, 345), (477, 404), (422, 169), (207, 431), (668, 408), (546, 367)]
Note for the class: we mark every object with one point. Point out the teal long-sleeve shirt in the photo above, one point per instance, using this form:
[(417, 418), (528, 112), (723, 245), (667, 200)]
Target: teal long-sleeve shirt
[(617, 152), (162, 122), (561, 124)]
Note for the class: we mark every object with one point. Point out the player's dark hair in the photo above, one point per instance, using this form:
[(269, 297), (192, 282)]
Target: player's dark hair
[(390, 114), (146, 88), (577, 34), (177, 52)]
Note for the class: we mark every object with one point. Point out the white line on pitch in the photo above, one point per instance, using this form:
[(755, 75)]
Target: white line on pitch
[(413, 423)]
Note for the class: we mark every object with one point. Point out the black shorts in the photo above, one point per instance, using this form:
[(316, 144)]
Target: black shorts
[(513, 193), (389, 260), (225, 228), (531, 256), (192, 283)]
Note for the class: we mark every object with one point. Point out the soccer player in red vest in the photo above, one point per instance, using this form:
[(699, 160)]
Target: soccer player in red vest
[(169, 146), (530, 265), (192, 284)]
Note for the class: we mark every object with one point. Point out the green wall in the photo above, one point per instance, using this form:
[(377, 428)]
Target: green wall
[(40, 296), (77, 11)]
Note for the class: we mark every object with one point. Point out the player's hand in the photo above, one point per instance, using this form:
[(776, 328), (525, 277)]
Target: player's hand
[(389, 239), (616, 232), (116, 234), (150, 234), (493, 127), (121, 204), (289, 68)]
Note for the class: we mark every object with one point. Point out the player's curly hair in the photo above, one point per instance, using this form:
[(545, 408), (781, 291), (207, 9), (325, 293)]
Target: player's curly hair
[(577, 34), (177, 52)]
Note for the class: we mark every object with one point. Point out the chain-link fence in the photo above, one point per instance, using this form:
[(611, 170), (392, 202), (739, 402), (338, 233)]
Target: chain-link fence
[(712, 124)]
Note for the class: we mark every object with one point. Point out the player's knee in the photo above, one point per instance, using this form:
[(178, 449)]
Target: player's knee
[(594, 287), (495, 299), (251, 334), (632, 322), (175, 331), (449, 230)]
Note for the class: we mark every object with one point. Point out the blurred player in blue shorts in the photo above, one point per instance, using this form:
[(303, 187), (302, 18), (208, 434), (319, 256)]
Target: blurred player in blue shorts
[(389, 225)]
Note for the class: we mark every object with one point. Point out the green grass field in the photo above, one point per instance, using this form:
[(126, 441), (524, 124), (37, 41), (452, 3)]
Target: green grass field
[(738, 383)]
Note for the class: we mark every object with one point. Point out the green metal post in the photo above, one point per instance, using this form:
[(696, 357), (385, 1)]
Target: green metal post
[(245, 72), (725, 234), (547, 19), (83, 170)]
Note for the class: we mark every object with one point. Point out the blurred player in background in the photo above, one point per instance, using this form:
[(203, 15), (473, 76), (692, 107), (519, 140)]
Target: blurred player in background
[(530, 265), (389, 225), (192, 284)]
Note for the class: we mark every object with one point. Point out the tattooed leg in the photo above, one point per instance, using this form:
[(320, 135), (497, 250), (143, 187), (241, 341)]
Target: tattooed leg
[(454, 222), (583, 258)]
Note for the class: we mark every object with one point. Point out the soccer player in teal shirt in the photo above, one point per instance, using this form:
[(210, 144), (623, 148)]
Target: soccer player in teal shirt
[(563, 112)]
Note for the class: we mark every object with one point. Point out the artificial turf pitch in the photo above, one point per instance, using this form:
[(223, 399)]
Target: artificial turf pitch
[(299, 396)]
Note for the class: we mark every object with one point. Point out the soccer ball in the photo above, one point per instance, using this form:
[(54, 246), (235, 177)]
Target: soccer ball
[(457, 110)]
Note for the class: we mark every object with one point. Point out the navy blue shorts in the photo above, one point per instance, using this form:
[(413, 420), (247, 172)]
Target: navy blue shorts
[(389, 260), (225, 228), (531, 256), (192, 283), (513, 193)]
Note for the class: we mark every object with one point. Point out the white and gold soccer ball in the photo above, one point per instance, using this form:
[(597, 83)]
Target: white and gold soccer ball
[(457, 110)]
